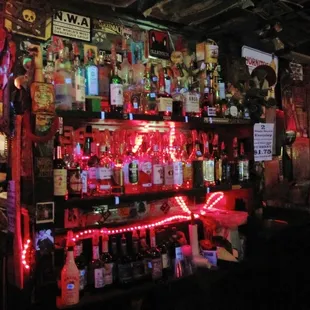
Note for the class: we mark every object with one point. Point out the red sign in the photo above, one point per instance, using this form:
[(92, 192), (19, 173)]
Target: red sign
[(159, 44)]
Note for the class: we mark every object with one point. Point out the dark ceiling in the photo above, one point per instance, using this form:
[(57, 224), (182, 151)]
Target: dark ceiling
[(250, 22)]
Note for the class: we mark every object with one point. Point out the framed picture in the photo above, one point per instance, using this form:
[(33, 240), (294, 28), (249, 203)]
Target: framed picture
[(45, 212)]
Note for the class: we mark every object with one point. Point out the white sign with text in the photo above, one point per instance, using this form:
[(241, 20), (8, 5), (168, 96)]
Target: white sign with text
[(263, 141)]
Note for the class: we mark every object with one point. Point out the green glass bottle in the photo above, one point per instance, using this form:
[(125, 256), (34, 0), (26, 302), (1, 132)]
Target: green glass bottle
[(116, 92)]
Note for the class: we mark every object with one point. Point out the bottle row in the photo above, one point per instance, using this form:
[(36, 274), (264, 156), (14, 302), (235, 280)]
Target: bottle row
[(98, 163), (114, 84), (123, 265)]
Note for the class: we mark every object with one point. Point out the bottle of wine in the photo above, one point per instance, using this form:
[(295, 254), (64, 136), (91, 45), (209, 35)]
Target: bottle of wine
[(124, 265), (59, 171), (137, 259), (107, 260), (155, 256), (116, 92)]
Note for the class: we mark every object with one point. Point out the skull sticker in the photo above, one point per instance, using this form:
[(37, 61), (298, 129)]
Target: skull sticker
[(29, 16)]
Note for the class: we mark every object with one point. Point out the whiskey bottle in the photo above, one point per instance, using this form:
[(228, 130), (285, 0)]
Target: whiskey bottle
[(164, 99), (92, 76), (104, 172), (59, 171), (208, 163), (96, 267), (197, 162), (217, 161), (78, 82), (155, 257)]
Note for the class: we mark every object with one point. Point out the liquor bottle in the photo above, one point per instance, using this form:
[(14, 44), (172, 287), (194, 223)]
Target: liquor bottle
[(150, 90), (234, 169), (175, 252), (191, 104), (92, 164), (126, 70), (243, 166), (145, 168), (124, 265), (168, 170), (59, 171), (207, 106), (96, 267), (49, 69), (217, 161), (104, 70), (178, 178), (63, 81), (155, 257), (70, 280), (78, 82), (226, 178), (131, 169), (157, 165), (197, 162), (107, 260), (92, 76), (187, 165), (104, 172), (115, 258), (80, 262), (178, 100), (144, 250), (208, 163), (137, 259), (164, 99), (116, 92), (165, 258), (167, 78)]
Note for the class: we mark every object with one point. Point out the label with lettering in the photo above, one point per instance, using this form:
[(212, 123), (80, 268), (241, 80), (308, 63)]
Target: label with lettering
[(165, 261), (84, 177), (157, 268), (108, 274), (177, 173), (98, 277), (104, 173), (191, 103), (116, 93), (79, 88), (60, 182), (158, 174), (168, 171), (92, 81), (165, 104), (146, 174), (208, 170), (187, 172), (133, 172), (211, 111)]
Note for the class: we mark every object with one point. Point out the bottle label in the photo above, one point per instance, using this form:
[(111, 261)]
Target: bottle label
[(157, 268), (98, 278), (92, 81), (165, 261), (158, 174), (168, 171), (138, 269), (178, 253), (165, 104), (146, 174), (218, 170), (70, 291), (92, 173), (124, 273), (74, 181), (233, 110), (187, 172), (104, 173), (95, 252), (82, 279), (116, 93), (79, 88), (60, 182), (208, 170), (168, 86), (177, 173), (241, 170), (84, 181), (108, 274), (246, 175), (118, 175), (133, 172), (211, 111), (135, 101), (191, 103)]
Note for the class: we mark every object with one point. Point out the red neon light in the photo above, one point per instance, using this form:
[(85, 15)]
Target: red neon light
[(25, 252)]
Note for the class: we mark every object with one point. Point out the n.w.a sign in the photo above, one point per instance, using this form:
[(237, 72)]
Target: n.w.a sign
[(71, 25)]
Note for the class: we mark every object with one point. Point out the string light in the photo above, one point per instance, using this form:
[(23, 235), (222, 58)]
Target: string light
[(182, 204), (216, 201), (25, 253)]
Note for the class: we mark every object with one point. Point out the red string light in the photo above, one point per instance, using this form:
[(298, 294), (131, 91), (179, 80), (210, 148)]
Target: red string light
[(25, 253)]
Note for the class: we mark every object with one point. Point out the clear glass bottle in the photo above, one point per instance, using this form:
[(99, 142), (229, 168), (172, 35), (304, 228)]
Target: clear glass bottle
[(208, 163), (145, 167), (191, 103), (150, 91), (157, 164), (78, 83), (104, 172), (164, 99), (104, 70), (178, 100), (217, 161)]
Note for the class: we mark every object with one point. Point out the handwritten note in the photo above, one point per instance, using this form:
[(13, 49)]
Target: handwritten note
[(263, 141)]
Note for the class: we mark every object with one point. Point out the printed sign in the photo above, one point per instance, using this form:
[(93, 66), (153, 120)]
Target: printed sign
[(255, 58), (263, 141), (71, 25), (296, 71), (159, 44)]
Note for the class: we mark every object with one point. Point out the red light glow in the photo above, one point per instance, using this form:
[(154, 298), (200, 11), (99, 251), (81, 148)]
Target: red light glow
[(25, 253)]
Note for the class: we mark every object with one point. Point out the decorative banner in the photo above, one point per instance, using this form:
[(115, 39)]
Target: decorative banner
[(263, 141), (27, 19), (159, 44), (108, 27), (71, 25), (255, 58)]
